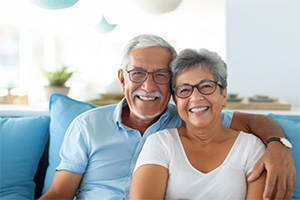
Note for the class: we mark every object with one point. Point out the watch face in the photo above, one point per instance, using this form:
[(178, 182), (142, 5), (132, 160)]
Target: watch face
[(286, 142)]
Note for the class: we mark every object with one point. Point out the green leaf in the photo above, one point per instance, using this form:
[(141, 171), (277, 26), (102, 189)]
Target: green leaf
[(58, 77)]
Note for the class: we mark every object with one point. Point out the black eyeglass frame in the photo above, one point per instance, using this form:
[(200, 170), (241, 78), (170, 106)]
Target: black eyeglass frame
[(147, 74), (196, 86)]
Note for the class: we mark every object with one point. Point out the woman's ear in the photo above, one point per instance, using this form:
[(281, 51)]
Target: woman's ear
[(224, 97), (121, 79)]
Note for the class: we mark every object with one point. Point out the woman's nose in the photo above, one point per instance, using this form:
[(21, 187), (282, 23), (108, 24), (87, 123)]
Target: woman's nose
[(196, 94)]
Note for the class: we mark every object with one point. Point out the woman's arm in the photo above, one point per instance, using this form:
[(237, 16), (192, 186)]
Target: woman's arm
[(149, 182), (255, 189), (277, 160)]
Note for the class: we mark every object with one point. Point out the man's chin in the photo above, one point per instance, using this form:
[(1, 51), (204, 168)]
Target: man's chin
[(146, 117)]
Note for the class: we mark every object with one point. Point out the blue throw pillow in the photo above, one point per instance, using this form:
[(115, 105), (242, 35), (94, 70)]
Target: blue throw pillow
[(291, 127), (22, 143), (62, 110)]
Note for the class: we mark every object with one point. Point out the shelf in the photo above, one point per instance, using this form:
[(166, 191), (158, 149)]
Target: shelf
[(278, 104)]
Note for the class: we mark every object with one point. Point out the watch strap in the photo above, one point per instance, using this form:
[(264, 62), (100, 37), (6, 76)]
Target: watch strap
[(283, 141), (273, 139)]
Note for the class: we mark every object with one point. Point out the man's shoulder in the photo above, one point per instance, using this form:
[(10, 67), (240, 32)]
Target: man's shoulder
[(172, 108), (101, 111), (171, 112), (226, 117)]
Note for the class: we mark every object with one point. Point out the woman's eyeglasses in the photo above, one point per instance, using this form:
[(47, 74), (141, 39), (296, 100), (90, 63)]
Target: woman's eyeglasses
[(186, 90)]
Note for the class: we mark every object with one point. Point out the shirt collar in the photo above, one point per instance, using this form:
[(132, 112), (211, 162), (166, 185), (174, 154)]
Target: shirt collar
[(118, 112)]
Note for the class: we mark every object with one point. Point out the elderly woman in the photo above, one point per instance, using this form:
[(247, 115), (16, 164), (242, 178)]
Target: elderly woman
[(202, 159)]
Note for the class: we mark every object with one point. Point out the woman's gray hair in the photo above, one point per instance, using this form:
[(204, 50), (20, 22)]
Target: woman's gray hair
[(144, 41), (190, 58)]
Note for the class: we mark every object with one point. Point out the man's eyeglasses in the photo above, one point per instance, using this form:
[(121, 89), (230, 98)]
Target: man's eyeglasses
[(206, 88), (139, 76)]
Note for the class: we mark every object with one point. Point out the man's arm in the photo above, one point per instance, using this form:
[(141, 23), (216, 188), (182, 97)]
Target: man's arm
[(64, 185), (260, 125), (277, 160)]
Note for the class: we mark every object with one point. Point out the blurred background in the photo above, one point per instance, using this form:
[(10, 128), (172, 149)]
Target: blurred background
[(259, 40)]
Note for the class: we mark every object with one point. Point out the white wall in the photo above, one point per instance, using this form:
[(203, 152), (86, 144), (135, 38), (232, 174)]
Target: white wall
[(263, 48), (72, 40)]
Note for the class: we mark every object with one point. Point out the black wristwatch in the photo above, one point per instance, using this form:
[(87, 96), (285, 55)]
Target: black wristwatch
[(283, 141)]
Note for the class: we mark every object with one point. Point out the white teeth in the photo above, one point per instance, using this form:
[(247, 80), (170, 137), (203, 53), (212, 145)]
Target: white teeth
[(147, 98), (195, 110)]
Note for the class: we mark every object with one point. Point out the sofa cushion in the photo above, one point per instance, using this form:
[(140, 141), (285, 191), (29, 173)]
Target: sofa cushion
[(22, 143), (62, 110), (291, 127)]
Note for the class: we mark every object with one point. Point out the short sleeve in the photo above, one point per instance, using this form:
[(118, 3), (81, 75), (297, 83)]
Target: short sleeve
[(258, 148), (74, 151), (227, 116), (153, 152)]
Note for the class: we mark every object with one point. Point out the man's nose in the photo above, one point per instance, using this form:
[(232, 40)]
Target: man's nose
[(149, 84)]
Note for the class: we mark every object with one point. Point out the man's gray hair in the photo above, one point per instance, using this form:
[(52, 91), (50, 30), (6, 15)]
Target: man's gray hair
[(190, 58), (144, 41)]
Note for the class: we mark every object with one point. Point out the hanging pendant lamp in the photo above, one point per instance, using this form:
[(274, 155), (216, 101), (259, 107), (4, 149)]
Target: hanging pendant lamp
[(158, 6), (54, 4), (104, 27)]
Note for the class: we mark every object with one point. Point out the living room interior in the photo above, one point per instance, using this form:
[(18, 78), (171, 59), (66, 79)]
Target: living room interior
[(52, 38), (258, 39)]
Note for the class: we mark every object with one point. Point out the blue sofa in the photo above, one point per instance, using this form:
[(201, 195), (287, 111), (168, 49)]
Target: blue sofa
[(29, 147)]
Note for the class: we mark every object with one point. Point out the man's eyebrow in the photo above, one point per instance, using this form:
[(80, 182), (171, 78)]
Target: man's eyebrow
[(162, 70), (158, 70), (138, 68)]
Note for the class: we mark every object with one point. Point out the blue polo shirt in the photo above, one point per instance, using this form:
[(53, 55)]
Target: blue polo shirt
[(98, 145)]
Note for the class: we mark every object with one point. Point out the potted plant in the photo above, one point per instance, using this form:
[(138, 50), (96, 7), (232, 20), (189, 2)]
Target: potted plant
[(57, 80)]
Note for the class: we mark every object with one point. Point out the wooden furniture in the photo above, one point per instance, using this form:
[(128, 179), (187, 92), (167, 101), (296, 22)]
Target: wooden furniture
[(245, 104), (13, 99)]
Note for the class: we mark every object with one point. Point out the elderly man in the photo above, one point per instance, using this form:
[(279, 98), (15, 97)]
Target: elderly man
[(101, 146)]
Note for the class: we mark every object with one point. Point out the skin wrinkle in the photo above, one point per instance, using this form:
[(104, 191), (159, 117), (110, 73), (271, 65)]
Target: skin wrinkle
[(142, 113)]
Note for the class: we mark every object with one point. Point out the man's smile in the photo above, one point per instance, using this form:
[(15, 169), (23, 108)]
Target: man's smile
[(147, 98)]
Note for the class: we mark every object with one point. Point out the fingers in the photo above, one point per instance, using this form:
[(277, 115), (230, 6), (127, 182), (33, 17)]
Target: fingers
[(269, 186), (281, 172), (257, 170), (279, 188), (291, 185)]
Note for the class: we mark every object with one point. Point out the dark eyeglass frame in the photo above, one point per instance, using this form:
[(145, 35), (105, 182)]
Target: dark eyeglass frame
[(197, 86), (147, 74)]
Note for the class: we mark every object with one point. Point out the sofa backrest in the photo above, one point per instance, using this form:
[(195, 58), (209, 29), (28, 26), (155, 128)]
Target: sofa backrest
[(22, 143), (25, 140), (39, 177)]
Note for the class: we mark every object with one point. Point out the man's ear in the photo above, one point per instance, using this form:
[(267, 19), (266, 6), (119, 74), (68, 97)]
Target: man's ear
[(121, 79)]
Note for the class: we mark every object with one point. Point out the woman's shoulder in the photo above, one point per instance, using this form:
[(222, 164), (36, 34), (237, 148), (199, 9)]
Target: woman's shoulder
[(249, 139), (164, 135), (248, 136)]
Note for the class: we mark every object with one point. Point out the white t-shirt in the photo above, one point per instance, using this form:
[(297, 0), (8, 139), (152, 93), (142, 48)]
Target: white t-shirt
[(228, 181)]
